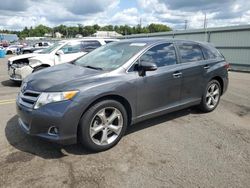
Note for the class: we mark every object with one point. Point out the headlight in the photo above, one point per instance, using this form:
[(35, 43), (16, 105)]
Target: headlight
[(51, 97)]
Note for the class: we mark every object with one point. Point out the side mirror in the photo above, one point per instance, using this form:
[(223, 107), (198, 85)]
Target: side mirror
[(146, 66), (59, 52)]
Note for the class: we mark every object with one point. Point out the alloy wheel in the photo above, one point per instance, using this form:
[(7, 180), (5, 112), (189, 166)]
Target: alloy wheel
[(212, 96), (106, 126)]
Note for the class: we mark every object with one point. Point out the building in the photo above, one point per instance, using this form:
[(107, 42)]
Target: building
[(35, 38), (104, 34), (48, 35), (58, 35), (78, 36), (8, 37)]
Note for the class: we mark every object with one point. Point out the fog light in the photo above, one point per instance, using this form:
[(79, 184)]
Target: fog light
[(53, 131)]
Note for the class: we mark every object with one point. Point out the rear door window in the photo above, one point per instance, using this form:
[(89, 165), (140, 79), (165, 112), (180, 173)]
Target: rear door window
[(90, 45), (161, 55), (190, 52), (72, 47)]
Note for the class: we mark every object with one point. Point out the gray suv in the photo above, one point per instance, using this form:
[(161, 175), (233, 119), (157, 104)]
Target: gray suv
[(93, 99)]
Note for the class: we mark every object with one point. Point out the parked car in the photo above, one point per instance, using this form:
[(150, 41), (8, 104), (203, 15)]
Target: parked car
[(13, 49), (38, 46), (93, 99), (4, 44), (61, 52)]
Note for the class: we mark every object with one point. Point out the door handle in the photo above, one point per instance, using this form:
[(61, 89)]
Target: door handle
[(177, 74), (206, 67)]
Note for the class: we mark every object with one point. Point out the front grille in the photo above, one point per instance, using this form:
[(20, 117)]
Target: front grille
[(28, 98)]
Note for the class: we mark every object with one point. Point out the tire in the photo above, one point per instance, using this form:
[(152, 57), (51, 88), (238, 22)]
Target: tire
[(92, 130), (9, 52), (38, 68), (211, 96)]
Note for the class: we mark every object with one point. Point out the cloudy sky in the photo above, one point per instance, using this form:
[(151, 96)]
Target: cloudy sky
[(16, 14)]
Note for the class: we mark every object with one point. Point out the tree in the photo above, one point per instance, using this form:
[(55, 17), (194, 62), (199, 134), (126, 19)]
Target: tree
[(158, 28), (71, 31)]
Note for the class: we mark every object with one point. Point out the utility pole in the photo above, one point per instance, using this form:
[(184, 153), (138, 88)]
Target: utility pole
[(205, 20), (186, 22), (140, 25), (205, 27)]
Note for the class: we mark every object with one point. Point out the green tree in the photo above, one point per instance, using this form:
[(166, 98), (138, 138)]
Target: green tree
[(158, 28), (71, 31)]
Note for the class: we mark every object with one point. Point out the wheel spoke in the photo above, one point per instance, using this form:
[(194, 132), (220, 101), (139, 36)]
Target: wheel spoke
[(113, 116), (213, 100), (115, 128), (104, 139), (212, 88), (102, 116), (95, 130), (209, 101), (216, 92)]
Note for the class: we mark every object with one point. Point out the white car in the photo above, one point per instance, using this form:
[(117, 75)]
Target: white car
[(13, 49), (61, 52), (36, 47)]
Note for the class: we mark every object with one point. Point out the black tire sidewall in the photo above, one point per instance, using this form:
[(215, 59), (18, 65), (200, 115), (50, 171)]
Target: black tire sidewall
[(84, 125), (204, 106)]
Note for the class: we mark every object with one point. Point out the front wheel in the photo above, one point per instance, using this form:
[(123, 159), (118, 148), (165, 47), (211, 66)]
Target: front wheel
[(211, 96), (103, 125)]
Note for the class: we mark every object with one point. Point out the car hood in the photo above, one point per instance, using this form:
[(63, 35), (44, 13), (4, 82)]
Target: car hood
[(24, 56), (61, 77), (45, 58)]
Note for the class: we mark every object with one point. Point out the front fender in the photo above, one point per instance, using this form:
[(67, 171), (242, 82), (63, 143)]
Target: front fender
[(94, 92)]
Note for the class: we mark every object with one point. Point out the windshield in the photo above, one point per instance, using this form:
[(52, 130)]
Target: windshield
[(110, 56), (51, 48)]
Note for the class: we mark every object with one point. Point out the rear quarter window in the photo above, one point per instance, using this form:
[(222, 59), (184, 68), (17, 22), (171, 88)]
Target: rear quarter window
[(211, 53)]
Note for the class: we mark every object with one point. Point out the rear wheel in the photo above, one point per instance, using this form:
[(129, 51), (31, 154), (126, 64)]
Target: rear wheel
[(9, 52), (103, 125), (211, 96)]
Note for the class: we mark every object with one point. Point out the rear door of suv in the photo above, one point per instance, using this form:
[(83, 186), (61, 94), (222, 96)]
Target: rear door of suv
[(192, 69)]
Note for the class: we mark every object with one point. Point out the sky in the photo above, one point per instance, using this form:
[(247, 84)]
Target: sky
[(16, 14)]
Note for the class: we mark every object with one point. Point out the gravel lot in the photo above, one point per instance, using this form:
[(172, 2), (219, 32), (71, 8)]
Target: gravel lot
[(181, 149)]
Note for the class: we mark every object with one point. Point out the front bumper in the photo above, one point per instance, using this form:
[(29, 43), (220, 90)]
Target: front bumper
[(63, 115), (19, 73)]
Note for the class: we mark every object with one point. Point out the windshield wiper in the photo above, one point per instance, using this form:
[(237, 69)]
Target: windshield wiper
[(91, 67)]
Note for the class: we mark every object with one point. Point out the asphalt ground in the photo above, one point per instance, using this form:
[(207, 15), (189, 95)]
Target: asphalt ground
[(182, 149)]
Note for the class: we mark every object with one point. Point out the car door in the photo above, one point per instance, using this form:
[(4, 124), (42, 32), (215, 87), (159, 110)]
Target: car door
[(192, 62), (160, 89), (71, 51)]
